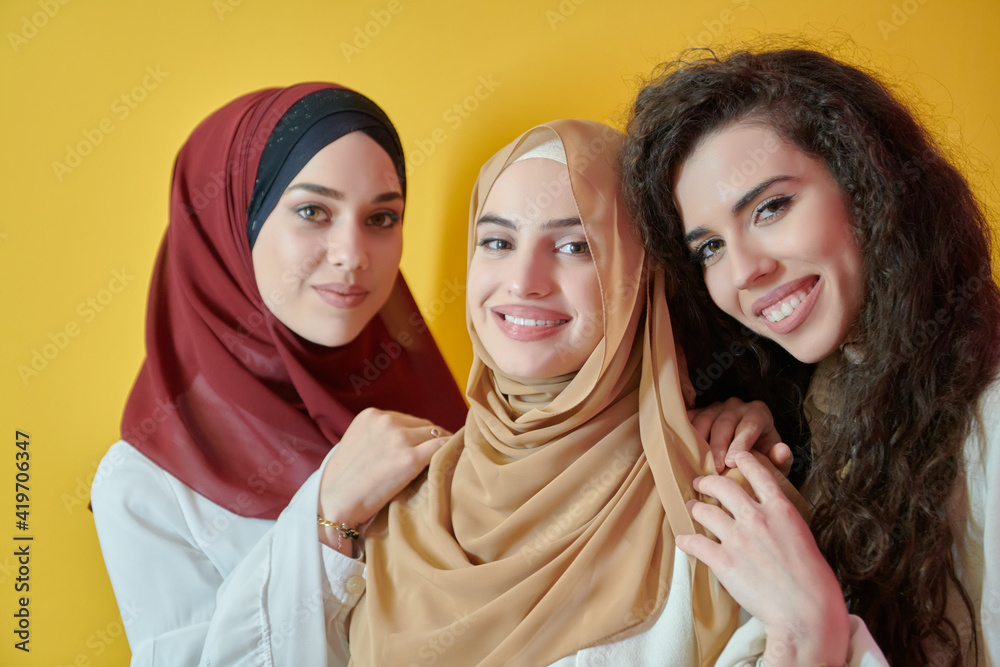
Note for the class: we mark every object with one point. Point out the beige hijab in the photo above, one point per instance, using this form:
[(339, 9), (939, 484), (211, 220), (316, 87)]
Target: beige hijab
[(547, 524)]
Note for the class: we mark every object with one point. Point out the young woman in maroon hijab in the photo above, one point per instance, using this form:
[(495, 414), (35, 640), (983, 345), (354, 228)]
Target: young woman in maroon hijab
[(276, 317)]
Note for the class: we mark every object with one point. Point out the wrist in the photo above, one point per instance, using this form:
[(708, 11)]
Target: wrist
[(822, 642), (339, 536)]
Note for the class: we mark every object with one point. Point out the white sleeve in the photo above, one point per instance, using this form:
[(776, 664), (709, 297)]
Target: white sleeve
[(284, 605), (196, 584), (982, 547), (748, 642)]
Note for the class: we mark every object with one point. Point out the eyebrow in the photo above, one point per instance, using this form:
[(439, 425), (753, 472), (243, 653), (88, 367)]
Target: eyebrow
[(492, 218), (337, 194), (754, 192), (740, 204)]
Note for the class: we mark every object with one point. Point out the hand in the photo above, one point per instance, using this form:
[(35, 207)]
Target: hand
[(739, 427), (767, 559), (380, 453)]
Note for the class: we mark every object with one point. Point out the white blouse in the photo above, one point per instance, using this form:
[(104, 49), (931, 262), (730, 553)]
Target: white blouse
[(199, 585)]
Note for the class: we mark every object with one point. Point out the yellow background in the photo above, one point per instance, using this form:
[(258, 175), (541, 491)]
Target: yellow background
[(65, 65)]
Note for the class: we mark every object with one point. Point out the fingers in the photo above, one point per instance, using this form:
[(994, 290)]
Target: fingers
[(704, 549), (704, 422), (729, 494), (761, 479), (703, 418), (743, 441), (781, 457), (733, 427), (425, 450), (755, 430), (712, 517), (399, 419)]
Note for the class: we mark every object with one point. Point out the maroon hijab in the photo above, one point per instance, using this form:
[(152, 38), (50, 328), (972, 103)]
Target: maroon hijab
[(229, 400)]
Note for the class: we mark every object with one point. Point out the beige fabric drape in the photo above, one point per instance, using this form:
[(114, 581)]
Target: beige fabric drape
[(547, 524)]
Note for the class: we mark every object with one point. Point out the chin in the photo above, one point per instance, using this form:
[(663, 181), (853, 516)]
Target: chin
[(333, 338), (813, 354)]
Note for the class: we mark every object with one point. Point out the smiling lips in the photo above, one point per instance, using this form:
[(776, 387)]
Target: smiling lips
[(786, 307), (527, 323), (341, 295)]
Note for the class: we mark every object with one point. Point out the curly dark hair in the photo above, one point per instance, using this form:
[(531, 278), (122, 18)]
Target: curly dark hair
[(926, 333)]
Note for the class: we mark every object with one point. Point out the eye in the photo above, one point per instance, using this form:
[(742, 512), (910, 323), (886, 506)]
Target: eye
[(491, 243), (575, 248), (771, 209), (708, 252), (312, 213), (384, 220)]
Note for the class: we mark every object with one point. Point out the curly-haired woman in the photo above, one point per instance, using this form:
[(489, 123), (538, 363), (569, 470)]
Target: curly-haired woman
[(806, 212)]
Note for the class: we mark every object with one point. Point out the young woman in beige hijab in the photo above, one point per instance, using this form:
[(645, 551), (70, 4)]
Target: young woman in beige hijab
[(544, 531)]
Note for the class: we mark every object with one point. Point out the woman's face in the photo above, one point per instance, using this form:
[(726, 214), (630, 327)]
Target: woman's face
[(327, 256), (533, 292), (769, 225)]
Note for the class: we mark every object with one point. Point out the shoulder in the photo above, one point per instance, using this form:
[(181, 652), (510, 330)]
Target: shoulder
[(128, 484), (124, 470), (133, 498), (984, 437)]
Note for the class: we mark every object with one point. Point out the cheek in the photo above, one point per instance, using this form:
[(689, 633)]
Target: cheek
[(267, 266), (722, 292), (477, 285), (591, 303), (388, 258), (295, 257)]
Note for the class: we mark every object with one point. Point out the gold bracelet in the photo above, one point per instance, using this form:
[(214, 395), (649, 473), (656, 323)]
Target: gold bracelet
[(342, 528)]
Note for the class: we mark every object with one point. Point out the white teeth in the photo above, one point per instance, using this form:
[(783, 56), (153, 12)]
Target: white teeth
[(780, 311), (520, 321)]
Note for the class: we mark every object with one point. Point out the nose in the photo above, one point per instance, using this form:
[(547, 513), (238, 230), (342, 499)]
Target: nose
[(530, 275), (748, 263), (345, 246)]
